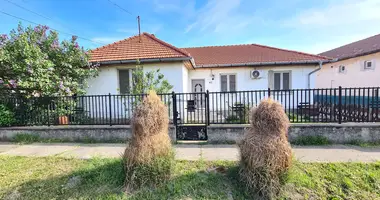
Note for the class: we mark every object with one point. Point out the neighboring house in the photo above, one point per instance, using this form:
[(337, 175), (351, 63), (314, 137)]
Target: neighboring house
[(355, 65), (197, 69)]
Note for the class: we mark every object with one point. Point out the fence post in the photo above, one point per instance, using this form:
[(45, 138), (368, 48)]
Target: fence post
[(174, 98), (340, 105), (48, 113), (208, 107), (268, 92), (110, 107)]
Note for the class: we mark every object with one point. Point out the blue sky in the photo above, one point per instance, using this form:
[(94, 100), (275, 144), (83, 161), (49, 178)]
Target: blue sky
[(305, 25)]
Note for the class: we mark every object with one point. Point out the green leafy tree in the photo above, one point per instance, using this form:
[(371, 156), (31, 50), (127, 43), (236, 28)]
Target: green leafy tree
[(34, 59), (151, 80)]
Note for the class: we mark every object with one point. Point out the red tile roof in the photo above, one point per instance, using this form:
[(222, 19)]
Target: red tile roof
[(359, 48), (131, 48), (151, 47), (247, 53)]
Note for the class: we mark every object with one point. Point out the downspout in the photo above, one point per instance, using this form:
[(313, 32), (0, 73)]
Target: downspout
[(312, 72)]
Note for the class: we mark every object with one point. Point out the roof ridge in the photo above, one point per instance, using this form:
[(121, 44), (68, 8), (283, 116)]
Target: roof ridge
[(167, 44)]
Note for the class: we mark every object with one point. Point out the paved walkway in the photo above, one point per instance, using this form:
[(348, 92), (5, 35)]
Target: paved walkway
[(335, 153)]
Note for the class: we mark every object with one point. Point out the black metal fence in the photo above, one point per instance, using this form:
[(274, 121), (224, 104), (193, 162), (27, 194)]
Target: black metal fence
[(332, 105)]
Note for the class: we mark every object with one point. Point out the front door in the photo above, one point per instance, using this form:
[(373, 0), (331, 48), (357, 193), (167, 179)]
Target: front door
[(198, 86)]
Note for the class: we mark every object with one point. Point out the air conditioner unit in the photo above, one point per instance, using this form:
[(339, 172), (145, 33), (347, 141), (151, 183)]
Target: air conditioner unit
[(255, 74)]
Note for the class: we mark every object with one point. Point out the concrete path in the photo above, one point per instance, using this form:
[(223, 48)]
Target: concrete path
[(335, 153)]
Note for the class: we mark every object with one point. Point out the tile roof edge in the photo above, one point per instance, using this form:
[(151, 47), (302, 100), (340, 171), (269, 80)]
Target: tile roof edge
[(167, 44), (357, 55), (259, 64)]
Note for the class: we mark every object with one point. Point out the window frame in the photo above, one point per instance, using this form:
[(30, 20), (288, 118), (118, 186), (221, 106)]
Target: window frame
[(365, 64), (130, 74), (228, 81), (340, 69), (282, 79)]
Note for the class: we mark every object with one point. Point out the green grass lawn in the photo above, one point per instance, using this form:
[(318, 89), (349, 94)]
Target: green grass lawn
[(60, 178)]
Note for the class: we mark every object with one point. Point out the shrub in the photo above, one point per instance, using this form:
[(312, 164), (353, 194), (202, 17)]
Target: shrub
[(149, 157), (6, 116), (265, 151)]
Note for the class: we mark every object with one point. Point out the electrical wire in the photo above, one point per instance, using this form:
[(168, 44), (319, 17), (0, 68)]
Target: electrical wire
[(120, 7), (83, 38)]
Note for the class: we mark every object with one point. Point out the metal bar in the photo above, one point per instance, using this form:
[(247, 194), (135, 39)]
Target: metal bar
[(340, 105), (110, 108)]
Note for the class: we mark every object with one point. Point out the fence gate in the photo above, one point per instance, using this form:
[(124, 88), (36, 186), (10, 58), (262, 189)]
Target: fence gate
[(191, 115)]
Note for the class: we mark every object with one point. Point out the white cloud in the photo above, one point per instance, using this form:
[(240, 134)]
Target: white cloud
[(334, 25), (338, 13), (218, 16)]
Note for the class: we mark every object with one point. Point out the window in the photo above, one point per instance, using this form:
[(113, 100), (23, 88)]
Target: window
[(368, 64), (281, 80), (228, 82), (342, 69), (125, 77)]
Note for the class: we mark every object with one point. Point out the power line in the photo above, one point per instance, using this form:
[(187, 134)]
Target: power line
[(120, 7), (83, 38), (28, 10)]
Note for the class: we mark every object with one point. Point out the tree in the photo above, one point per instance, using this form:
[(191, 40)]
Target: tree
[(34, 59), (151, 80)]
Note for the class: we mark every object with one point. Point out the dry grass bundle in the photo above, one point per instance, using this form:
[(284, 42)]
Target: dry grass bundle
[(265, 151), (149, 157)]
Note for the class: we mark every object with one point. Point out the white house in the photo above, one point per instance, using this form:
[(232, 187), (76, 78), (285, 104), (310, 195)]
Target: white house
[(200, 69), (195, 69)]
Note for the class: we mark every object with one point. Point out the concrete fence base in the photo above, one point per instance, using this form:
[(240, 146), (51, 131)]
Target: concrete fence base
[(76, 133), (336, 133)]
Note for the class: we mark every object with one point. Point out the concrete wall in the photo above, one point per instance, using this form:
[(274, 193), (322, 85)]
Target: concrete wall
[(336, 133), (76, 133), (354, 76), (108, 79)]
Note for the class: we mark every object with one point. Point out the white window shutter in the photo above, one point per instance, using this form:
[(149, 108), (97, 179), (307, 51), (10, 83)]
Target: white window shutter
[(270, 79)]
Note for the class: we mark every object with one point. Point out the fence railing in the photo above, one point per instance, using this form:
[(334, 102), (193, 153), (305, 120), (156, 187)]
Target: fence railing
[(332, 105)]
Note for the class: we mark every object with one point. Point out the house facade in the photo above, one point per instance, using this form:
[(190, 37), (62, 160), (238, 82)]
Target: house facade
[(197, 69), (354, 65)]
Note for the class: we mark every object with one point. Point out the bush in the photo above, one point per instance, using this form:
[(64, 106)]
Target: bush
[(149, 158), (265, 152), (6, 116)]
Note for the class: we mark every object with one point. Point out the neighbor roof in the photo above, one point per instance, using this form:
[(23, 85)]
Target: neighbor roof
[(359, 48), (153, 49), (131, 48), (247, 54)]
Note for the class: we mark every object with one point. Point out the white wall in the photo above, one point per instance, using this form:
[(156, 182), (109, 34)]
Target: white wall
[(122, 106), (108, 80), (354, 75), (299, 77)]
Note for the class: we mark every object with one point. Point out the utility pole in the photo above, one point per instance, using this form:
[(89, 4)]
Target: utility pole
[(138, 22)]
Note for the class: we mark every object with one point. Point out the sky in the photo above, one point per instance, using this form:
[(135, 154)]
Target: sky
[(311, 26)]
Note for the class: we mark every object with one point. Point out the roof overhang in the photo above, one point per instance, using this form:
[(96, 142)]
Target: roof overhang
[(356, 55), (144, 60), (313, 62)]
